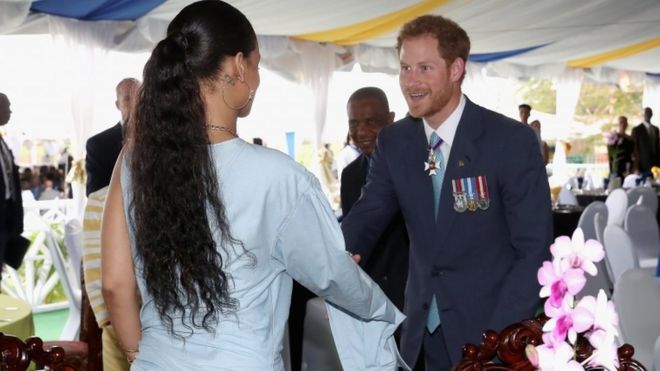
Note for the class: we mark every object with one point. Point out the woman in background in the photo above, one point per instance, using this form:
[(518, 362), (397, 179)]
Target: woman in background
[(203, 232)]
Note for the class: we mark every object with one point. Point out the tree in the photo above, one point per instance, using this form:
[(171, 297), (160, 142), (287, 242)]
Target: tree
[(539, 93)]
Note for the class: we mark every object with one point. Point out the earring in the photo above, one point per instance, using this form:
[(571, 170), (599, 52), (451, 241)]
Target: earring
[(250, 97)]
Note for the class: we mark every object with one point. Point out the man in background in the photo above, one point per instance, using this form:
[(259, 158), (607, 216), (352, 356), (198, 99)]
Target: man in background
[(104, 147), (369, 112), (102, 153), (647, 144), (12, 244), (620, 151), (524, 110)]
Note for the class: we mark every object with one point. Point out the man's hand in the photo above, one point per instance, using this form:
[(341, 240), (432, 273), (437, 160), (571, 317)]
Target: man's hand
[(356, 258)]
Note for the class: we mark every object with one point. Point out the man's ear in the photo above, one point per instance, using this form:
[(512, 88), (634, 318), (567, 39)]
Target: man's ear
[(457, 69), (390, 117)]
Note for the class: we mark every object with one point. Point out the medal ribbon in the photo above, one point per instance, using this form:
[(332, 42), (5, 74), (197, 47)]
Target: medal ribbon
[(436, 146)]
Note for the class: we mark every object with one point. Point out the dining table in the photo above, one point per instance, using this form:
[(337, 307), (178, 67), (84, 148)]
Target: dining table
[(565, 219), (16, 317)]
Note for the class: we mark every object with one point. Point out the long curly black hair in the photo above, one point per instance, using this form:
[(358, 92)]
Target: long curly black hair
[(174, 181)]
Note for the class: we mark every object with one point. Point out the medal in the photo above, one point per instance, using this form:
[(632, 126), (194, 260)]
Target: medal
[(432, 164), (482, 188), (471, 194), (459, 197)]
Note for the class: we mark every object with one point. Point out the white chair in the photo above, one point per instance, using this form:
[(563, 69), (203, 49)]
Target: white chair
[(656, 351), (566, 197), (630, 181), (617, 204), (642, 227), (587, 219), (647, 197), (637, 299), (70, 283), (615, 183), (587, 223), (619, 252), (27, 196), (319, 352), (600, 221)]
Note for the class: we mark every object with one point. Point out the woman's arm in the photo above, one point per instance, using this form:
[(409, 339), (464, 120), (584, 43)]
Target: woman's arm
[(118, 277)]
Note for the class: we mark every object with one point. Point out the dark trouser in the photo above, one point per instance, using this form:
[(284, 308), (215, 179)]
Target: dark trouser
[(434, 355)]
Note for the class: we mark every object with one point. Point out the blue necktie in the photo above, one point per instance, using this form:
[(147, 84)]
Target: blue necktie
[(440, 172), (433, 320)]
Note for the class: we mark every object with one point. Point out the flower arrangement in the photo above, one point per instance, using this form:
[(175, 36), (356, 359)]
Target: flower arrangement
[(611, 137), (593, 318)]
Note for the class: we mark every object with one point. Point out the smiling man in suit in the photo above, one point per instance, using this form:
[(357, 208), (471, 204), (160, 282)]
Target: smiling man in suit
[(474, 196), (368, 112), (104, 147)]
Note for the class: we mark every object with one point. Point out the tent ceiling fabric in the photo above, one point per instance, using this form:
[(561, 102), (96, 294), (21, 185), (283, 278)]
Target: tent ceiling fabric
[(587, 34)]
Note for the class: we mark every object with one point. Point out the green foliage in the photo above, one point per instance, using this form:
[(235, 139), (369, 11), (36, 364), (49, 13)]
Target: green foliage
[(603, 103), (539, 93), (599, 104)]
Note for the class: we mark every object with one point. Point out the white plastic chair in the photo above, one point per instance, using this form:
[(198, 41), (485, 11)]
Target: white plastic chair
[(70, 280), (642, 227), (27, 196), (656, 352), (637, 299), (587, 219), (617, 204), (319, 352), (619, 252), (600, 221), (630, 181), (566, 197), (587, 223), (647, 197)]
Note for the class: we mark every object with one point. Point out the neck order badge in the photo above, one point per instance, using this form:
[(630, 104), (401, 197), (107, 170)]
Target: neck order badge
[(432, 164)]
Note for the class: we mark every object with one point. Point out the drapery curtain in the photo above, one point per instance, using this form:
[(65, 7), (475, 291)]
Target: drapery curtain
[(651, 96), (569, 85), (85, 43)]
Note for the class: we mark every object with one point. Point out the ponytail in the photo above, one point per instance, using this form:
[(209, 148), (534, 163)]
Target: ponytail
[(175, 187)]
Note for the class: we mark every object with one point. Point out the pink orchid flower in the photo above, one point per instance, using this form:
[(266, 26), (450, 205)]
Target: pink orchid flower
[(576, 253), (596, 313), (557, 357), (605, 353), (560, 326), (556, 282)]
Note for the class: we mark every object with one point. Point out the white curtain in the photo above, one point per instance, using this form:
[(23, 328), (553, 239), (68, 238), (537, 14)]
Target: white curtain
[(569, 85), (85, 43), (651, 96)]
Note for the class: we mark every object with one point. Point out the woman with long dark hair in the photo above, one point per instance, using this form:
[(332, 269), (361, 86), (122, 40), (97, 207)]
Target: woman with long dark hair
[(203, 232)]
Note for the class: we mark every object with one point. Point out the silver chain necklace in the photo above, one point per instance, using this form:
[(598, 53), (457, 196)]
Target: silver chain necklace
[(221, 128)]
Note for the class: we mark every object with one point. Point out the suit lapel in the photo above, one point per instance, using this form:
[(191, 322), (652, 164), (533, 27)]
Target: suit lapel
[(460, 164), (417, 154)]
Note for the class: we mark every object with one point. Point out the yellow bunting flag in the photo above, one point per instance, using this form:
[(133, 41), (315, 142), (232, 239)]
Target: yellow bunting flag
[(615, 54)]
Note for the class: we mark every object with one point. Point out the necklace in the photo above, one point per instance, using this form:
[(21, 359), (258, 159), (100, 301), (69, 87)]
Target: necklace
[(221, 128)]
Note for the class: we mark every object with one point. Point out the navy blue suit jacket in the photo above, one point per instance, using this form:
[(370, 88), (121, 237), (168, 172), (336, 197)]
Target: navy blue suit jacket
[(388, 266), (11, 212), (102, 153), (481, 265)]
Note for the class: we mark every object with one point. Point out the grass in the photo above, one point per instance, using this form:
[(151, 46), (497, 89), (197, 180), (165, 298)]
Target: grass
[(49, 325)]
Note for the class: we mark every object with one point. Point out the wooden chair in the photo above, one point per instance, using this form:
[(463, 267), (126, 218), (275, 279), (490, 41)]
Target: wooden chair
[(506, 351), (16, 355)]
